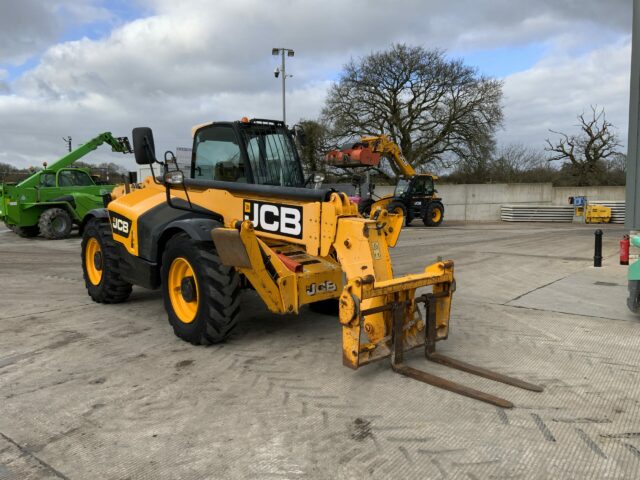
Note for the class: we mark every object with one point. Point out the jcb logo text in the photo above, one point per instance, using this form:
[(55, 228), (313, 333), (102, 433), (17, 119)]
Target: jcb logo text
[(274, 218), (322, 287), (119, 224)]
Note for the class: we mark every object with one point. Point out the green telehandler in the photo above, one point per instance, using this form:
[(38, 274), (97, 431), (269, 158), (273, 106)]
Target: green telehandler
[(51, 200)]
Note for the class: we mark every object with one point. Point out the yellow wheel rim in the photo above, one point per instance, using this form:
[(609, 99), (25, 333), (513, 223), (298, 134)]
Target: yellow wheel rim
[(437, 215), (180, 272), (93, 261)]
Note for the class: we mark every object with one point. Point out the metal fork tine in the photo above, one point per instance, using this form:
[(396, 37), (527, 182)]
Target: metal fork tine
[(451, 386), (397, 315), (430, 353), (482, 372)]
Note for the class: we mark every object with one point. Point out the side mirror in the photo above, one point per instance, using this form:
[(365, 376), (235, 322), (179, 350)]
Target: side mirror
[(143, 146)]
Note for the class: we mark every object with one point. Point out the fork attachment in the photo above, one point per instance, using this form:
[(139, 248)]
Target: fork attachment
[(398, 310), (379, 313)]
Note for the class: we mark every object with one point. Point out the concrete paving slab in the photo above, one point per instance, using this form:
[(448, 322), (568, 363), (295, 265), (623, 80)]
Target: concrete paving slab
[(107, 391), (598, 292)]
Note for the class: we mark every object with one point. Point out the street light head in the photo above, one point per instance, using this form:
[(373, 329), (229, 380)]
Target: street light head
[(290, 53), (276, 72), (275, 51)]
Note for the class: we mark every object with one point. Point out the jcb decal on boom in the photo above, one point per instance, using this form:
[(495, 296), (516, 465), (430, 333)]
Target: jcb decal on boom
[(322, 287), (120, 225), (274, 218)]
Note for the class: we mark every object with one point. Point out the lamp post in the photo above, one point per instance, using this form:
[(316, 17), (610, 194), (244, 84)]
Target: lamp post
[(281, 70)]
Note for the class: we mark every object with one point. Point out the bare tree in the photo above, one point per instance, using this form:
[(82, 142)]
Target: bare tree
[(106, 171), (589, 150), (316, 145), (512, 163), (433, 107)]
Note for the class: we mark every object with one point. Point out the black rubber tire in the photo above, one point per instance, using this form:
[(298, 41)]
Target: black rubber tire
[(330, 306), (112, 288), (364, 207), (394, 206), (219, 292), (24, 232), (427, 219), (55, 223)]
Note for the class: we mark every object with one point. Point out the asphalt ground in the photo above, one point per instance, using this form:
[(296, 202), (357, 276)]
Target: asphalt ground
[(93, 391)]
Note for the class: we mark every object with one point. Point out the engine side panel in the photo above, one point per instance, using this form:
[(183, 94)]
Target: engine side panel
[(139, 218)]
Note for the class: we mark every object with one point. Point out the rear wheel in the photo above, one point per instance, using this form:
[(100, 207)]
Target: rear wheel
[(55, 223), (433, 214), (24, 232), (100, 264), (201, 296), (365, 207), (398, 207)]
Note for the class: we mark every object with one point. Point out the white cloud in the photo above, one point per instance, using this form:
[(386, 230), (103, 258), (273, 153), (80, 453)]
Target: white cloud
[(28, 26), (554, 91), (195, 60)]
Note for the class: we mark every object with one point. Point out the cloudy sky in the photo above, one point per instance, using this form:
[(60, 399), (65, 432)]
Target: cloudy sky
[(80, 67)]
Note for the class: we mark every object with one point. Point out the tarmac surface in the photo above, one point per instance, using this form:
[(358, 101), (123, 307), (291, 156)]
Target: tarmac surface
[(93, 391)]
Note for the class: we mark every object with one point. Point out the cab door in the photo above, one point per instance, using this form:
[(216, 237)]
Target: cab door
[(78, 184), (419, 197)]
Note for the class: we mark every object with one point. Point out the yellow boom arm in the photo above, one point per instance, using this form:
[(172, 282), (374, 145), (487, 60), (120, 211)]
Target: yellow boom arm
[(385, 146)]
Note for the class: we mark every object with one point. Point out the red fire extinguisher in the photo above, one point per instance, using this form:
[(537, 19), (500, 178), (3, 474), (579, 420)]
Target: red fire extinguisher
[(624, 250)]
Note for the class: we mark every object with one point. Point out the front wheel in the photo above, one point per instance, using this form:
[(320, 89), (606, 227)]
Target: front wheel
[(329, 306), (201, 296), (364, 207), (398, 207), (55, 223), (633, 300), (100, 264), (433, 214)]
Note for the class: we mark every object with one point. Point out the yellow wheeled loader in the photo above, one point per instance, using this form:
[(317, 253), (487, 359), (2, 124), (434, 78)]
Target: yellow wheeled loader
[(243, 218)]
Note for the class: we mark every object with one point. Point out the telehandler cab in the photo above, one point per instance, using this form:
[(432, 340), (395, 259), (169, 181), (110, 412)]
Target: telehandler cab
[(243, 218)]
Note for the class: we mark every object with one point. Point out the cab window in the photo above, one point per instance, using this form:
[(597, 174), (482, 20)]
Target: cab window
[(401, 187), (74, 178), (47, 179), (423, 186), (217, 155)]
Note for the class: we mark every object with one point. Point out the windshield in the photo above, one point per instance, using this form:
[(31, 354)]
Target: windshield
[(401, 187), (272, 157)]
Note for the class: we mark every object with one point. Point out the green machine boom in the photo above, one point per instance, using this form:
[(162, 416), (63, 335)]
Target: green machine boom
[(51, 200)]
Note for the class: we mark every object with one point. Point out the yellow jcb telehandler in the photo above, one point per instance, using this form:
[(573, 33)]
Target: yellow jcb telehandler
[(243, 218), (415, 193)]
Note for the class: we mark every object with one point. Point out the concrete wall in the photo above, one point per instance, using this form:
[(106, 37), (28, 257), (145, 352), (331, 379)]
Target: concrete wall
[(481, 202)]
